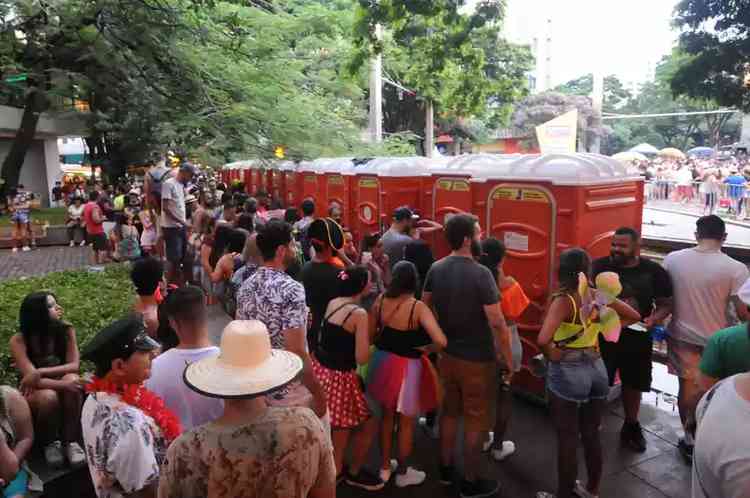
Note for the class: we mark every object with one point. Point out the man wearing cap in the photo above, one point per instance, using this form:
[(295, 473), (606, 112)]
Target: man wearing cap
[(252, 450), (397, 237), (126, 428), (174, 224)]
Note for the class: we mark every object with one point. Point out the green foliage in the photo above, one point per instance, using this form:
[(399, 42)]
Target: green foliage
[(717, 46), (90, 301), (615, 94)]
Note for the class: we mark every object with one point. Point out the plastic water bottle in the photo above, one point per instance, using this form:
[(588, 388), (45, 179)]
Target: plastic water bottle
[(659, 337)]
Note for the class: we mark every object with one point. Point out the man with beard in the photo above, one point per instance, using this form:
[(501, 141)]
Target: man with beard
[(396, 238), (647, 287), (271, 296), (465, 297)]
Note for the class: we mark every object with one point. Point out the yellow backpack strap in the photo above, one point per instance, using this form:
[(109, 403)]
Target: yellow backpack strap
[(572, 301)]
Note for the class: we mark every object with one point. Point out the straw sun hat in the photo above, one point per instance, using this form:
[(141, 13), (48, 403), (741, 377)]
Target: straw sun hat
[(245, 367)]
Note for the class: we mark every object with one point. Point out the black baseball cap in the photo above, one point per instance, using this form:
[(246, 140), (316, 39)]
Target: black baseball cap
[(404, 213), (119, 338)]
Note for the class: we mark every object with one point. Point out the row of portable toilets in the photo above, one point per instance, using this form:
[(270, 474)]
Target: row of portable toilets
[(538, 205)]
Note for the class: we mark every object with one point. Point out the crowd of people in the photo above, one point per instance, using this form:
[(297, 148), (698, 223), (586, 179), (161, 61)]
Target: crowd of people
[(335, 347), (712, 183)]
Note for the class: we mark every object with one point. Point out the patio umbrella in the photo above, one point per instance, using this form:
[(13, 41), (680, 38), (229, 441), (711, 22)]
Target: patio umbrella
[(645, 149), (672, 153), (704, 152), (629, 156)]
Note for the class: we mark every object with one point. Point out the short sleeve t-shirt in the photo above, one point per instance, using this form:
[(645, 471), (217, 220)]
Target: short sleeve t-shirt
[(166, 381), (736, 185), (727, 353), (283, 454), (394, 244), (124, 446), (174, 191), (276, 299), (321, 285), (721, 461), (92, 228), (460, 289), (642, 285), (703, 284)]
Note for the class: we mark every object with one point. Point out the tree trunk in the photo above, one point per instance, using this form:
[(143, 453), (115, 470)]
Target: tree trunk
[(13, 162)]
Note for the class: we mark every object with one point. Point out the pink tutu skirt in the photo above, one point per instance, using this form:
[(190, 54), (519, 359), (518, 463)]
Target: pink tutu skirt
[(407, 385), (346, 401)]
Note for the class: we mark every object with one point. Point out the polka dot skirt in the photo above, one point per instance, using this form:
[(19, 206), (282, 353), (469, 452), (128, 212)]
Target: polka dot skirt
[(346, 401)]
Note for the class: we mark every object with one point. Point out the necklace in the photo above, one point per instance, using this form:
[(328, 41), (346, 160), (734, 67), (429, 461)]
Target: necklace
[(143, 399)]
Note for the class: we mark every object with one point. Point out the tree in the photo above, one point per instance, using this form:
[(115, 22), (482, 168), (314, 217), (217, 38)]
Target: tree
[(542, 107), (716, 45), (615, 94), (457, 61)]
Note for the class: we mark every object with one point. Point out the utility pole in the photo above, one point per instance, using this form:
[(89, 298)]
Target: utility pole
[(429, 139), (597, 101), (376, 93)]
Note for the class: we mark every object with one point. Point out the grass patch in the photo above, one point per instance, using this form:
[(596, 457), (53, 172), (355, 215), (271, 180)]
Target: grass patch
[(54, 216), (90, 301)]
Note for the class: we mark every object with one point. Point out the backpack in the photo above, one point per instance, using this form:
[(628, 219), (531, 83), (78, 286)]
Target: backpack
[(158, 177)]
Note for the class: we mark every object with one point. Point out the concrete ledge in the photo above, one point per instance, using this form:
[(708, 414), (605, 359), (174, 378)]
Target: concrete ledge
[(56, 235)]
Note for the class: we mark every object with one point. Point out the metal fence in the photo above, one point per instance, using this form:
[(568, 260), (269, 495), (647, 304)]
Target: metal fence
[(731, 198)]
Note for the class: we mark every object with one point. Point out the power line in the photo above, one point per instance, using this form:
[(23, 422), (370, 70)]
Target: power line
[(667, 114)]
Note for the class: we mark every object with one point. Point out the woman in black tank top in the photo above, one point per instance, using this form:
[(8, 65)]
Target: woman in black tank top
[(344, 344), (400, 375)]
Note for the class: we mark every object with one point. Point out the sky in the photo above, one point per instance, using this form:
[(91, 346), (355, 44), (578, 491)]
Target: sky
[(622, 37)]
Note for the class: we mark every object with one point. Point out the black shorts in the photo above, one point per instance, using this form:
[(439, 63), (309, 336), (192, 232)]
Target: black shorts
[(175, 240), (631, 355), (98, 241)]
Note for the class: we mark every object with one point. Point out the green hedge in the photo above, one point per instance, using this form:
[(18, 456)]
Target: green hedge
[(90, 300)]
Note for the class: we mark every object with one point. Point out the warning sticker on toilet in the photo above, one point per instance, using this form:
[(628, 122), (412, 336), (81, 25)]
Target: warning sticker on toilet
[(520, 194), (516, 241)]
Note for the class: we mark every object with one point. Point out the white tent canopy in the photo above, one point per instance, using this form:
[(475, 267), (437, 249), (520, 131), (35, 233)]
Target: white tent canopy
[(646, 149)]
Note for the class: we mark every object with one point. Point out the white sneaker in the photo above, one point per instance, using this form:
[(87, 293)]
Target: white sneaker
[(544, 494), (75, 454), (15, 249), (72, 243), (26, 249), (412, 477), (488, 444), (83, 243), (508, 448), (581, 491), (385, 474), (53, 454)]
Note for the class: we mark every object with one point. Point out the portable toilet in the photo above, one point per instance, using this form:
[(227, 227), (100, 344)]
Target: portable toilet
[(336, 178), (288, 184), (381, 185), (275, 182), (307, 179), (541, 205)]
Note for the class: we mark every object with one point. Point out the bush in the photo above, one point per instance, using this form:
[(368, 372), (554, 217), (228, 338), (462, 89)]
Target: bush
[(90, 301)]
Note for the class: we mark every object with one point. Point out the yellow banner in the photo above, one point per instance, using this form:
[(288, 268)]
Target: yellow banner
[(558, 136), (520, 194), (368, 183), (454, 185)]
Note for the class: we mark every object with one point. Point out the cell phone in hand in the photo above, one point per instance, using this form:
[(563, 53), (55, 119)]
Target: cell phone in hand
[(366, 257)]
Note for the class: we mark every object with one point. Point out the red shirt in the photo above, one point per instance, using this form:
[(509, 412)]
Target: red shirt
[(92, 228)]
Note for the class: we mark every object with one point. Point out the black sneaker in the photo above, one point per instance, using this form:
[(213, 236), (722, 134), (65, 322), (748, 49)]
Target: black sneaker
[(686, 450), (632, 437), (365, 480), (481, 488), (447, 475)]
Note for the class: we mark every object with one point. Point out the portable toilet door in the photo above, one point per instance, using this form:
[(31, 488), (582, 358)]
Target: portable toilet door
[(308, 185), (276, 183), (288, 193), (365, 199), (401, 184), (337, 186)]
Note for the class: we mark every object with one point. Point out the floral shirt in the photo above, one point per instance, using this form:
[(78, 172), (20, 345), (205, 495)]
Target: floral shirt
[(124, 446), (283, 454), (276, 299)]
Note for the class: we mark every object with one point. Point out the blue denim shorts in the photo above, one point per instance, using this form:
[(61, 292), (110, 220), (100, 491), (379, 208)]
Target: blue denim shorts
[(579, 377)]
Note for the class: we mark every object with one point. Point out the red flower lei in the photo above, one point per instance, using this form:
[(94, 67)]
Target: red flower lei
[(143, 399)]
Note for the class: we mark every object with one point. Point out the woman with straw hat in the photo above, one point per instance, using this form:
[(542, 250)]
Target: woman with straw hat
[(252, 450)]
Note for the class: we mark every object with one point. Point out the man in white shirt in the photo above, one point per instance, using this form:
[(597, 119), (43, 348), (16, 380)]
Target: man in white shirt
[(721, 465), (174, 224), (185, 307), (705, 281)]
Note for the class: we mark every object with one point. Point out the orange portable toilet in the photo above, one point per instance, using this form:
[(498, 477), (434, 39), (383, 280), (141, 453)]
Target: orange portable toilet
[(336, 177), (275, 182), (307, 179), (288, 183), (541, 205), (402, 181)]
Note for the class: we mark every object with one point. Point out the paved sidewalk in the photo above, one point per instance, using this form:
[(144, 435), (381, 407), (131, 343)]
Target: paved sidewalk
[(42, 261)]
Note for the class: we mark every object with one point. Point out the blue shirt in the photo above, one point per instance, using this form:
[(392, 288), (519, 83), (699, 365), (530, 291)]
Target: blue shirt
[(736, 185)]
